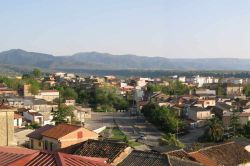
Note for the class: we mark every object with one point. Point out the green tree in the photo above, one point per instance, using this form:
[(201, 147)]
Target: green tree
[(246, 130), (170, 139), (246, 90), (220, 91), (214, 131), (37, 72), (69, 93), (175, 88), (235, 122), (62, 113), (163, 117)]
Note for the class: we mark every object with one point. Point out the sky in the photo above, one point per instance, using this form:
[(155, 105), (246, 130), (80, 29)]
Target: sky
[(166, 28)]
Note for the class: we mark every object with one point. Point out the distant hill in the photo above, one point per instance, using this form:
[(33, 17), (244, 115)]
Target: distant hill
[(95, 60)]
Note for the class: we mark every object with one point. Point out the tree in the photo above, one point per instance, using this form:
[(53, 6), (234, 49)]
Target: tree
[(246, 90), (62, 113), (69, 93), (37, 72), (175, 88), (220, 90), (246, 130), (235, 122), (163, 117), (214, 131), (170, 139)]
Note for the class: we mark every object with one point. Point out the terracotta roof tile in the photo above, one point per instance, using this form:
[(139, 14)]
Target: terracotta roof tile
[(103, 149), (181, 154), (229, 154), (73, 160), (142, 158), (203, 159), (60, 130)]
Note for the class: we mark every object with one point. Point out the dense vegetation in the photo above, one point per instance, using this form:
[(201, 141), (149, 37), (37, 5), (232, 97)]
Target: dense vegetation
[(174, 88), (163, 117)]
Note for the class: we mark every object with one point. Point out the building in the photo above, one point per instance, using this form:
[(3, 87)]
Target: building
[(61, 136), (13, 156), (234, 90), (26, 90), (244, 117), (230, 154), (18, 120), (35, 138), (138, 158), (202, 92), (206, 103), (33, 117), (7, 125), (48, 95), (82, 113), (113, 151), (8, 92), (199, 113)]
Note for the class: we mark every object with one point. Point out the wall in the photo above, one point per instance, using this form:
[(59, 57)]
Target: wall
[(71, 138), (36, 144), (7, 127)]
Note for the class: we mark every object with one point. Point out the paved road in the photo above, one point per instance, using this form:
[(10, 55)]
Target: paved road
[(192, 136), (99, 119), (135, 126)]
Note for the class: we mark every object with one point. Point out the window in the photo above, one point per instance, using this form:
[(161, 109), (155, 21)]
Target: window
[(40, 144), (79, 134)]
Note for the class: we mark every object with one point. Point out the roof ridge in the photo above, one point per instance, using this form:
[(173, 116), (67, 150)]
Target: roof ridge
[(225, 143), (177, 158)]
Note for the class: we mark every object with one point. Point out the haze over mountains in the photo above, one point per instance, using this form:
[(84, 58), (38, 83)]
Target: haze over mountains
[(104, 61)]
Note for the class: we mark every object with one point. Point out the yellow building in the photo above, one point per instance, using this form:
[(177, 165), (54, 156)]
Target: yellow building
[(7, 125)]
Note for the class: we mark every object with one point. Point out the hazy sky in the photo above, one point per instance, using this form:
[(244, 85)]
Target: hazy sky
[(168, 28)]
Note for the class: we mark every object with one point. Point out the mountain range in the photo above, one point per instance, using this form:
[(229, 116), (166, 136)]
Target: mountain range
[(103, 61)]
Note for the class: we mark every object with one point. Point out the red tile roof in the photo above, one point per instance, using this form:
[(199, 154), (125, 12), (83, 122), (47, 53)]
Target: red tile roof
[(43, 159), (73, 160), (3, 106), (9, 155), (60, 130), (203, 159), (17, 116), (25, 157)]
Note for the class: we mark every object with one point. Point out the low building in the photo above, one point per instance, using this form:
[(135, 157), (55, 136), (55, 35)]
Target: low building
[(64, 135), (33, 117), (82, 113), (199, 113), (113, 151), (234, 90), (13, 156), (244, 117), (18, 120), (48, 95), (35, 138), (231, 154)]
